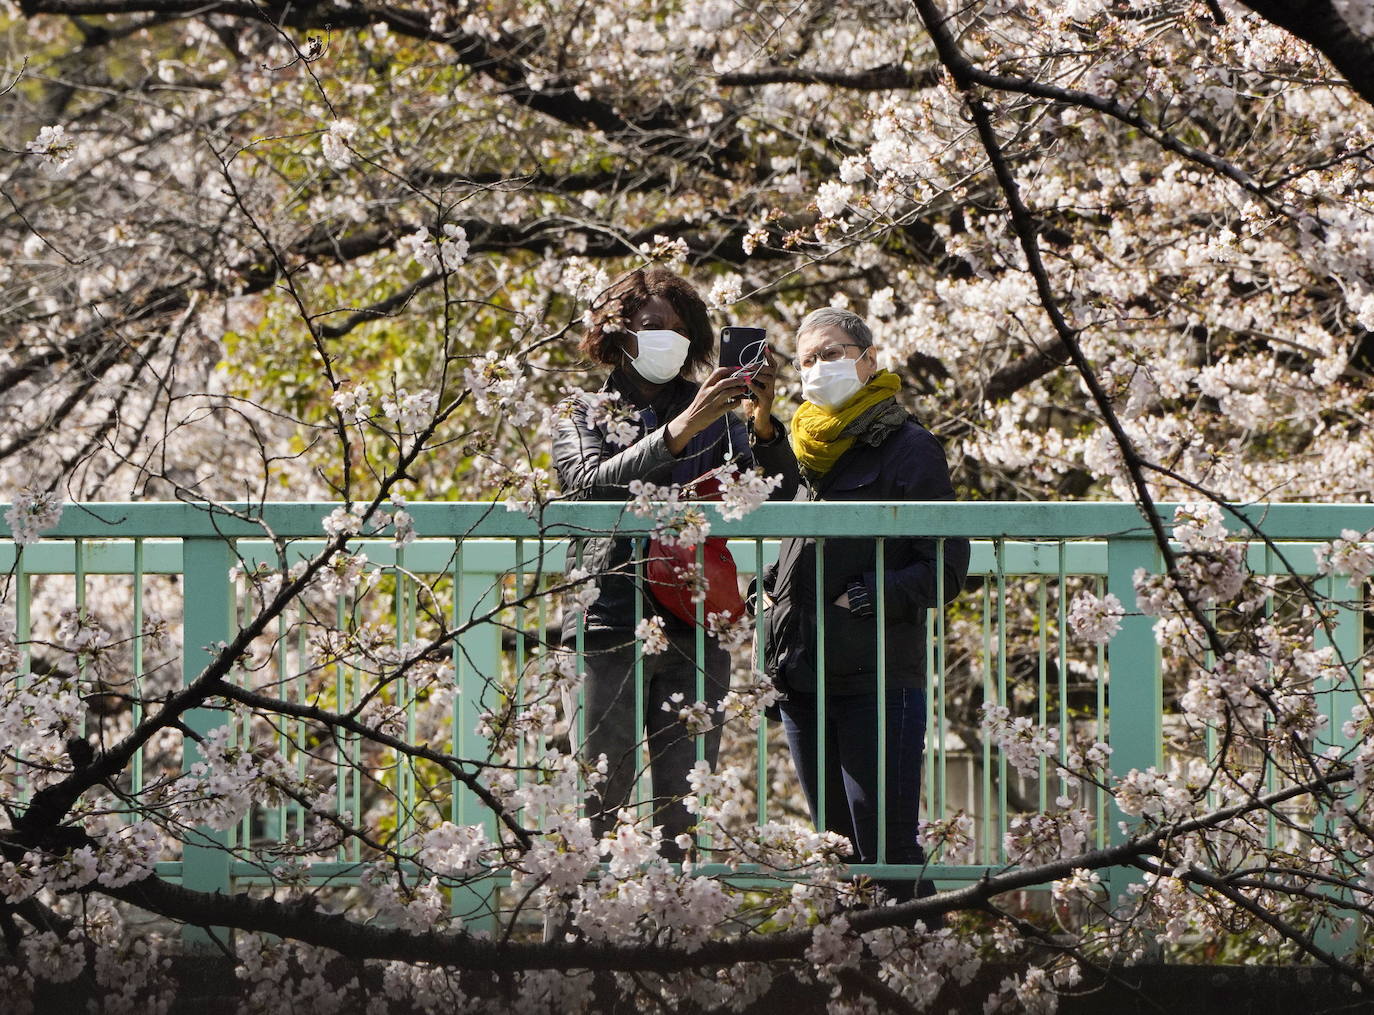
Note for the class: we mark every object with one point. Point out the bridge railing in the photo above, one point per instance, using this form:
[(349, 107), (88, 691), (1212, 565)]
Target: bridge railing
[(155, 576)]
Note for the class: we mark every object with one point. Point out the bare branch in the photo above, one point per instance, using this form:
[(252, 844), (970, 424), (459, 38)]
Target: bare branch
[(1319, 23), (875, 79)]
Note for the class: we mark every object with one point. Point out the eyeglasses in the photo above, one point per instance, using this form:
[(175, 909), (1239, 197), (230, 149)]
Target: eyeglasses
[(830, 354)]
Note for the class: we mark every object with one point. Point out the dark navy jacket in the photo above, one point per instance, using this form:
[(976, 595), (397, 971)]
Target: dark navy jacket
[(908, 465)]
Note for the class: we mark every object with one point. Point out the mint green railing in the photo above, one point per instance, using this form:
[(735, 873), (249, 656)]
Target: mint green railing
[(477, 551)]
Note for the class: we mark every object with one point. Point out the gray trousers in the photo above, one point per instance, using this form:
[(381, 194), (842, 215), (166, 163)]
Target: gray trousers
[(614, 730)]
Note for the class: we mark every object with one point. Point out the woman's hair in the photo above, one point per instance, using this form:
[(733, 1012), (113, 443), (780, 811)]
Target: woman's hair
[(833, 317), (623, 298)]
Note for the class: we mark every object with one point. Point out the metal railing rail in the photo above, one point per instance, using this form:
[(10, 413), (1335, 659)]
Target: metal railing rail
[(479, 552)]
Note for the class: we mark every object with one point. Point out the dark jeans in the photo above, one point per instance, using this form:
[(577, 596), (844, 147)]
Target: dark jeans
[(615, 731), (851, 770)]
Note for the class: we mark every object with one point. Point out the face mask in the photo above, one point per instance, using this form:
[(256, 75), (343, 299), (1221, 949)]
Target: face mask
[(661, 355), (831, 385)]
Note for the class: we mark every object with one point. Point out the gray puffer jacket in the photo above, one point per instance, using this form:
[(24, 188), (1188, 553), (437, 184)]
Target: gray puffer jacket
[(591, 467)]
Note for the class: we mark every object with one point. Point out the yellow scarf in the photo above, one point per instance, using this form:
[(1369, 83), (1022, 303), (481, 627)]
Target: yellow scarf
[(816, 432)]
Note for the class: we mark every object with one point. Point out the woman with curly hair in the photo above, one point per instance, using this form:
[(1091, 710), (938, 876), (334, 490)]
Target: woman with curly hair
[(651, 329)]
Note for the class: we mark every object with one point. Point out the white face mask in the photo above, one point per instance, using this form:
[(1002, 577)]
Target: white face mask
[(661, 355), (831, 385)]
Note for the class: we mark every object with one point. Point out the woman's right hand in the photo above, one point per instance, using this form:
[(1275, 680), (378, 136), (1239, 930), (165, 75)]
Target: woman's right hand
[(718, 394)]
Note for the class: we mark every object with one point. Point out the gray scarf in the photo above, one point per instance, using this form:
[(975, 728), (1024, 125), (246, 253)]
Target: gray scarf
[(873, 426)]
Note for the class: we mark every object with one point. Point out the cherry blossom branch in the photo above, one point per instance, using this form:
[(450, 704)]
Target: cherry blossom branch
[(855, 981), (1239, 899), (1027, 929), (304, 922), (964, 70), (660, 130), (874, 79), (1318, 22), (450, 763), (18, 75), (50, 804), (1277, 549), (1026, 230), (1311, 895)]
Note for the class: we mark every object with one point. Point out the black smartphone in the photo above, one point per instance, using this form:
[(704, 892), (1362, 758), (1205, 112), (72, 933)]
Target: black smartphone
[(742, 348)]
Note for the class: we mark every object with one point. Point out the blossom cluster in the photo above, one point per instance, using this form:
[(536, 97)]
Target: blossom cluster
[(354, 401), (229, 777), (621, 423), (652, 637), (498, 385), (1095, 619), (1082, 883), (1352, 554), (565, 851), (1024, 744), (11, 654), (54, 146), (38, 714), (454, 850), (410, 410), (1151, 793), (443, 253), (1040, 838), (677, 522), (748, 702), (695, 716), (725, 291), (32, 513), (336, 143), (744, 490), (581, 592)]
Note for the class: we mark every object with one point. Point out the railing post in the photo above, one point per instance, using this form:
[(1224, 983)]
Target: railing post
[(1346, 609), (208, 605), (478, 666), (1135, 694)]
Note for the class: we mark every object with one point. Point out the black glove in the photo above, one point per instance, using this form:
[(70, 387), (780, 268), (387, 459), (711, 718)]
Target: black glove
[(860, 603)]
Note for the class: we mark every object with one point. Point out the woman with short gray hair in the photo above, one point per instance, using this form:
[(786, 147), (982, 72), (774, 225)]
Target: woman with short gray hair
[(855, 442), (847, 321)]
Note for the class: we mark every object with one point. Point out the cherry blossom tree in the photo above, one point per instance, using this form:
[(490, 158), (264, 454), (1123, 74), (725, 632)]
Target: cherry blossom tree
[(338, 252)]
